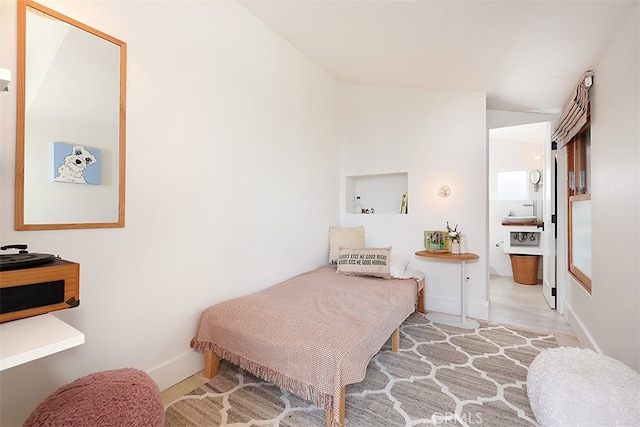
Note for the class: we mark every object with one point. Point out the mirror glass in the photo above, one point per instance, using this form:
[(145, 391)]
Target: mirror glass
[(535, 176), (70, 147)]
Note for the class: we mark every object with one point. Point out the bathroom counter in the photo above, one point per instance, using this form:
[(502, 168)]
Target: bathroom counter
[(538, 224)]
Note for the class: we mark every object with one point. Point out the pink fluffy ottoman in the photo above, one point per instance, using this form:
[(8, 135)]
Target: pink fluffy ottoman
[(121, 397)]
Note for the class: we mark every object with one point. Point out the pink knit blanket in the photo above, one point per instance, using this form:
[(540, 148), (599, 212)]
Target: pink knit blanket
[(312, 334)]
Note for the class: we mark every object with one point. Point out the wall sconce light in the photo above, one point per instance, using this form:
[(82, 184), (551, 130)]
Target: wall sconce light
[(444, 191)]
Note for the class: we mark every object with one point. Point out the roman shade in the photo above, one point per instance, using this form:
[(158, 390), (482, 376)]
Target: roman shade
[(575, 112)]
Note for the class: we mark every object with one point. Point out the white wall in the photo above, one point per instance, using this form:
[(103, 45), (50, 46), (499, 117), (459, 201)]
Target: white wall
[(224, 120), (609, 318), (438, 138)]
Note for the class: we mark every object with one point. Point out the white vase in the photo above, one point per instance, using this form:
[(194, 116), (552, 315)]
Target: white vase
[(455, 247), (463, 244)]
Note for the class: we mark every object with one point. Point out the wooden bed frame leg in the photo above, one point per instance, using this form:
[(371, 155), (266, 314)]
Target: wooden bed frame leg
[(211, 364), (342, 409), (421, 308), (395, 340)]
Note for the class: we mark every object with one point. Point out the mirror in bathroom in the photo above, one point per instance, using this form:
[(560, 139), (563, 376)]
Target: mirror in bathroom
[(535, 177), (70, 125)]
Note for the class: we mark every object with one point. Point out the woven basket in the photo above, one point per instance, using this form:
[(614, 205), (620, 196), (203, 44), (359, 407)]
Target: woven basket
[(525, 268)]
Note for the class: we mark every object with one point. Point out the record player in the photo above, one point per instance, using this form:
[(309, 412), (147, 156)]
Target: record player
[(33, 283)]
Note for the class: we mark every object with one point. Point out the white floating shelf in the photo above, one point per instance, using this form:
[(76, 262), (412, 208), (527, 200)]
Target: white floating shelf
[(35, 337)]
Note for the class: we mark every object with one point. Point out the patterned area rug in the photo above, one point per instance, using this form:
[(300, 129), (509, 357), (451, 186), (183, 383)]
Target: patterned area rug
[(442, 375)]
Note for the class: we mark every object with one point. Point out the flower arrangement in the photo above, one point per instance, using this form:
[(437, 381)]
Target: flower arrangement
[(454, 234)]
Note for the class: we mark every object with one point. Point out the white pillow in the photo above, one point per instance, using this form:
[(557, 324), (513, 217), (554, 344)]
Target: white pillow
[(365, 262), (399, 262), (344, 237)]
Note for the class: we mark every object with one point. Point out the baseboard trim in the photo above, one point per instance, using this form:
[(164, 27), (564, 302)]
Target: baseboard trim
[(172, 372), (476, 310), (501, 270), (581, 332)]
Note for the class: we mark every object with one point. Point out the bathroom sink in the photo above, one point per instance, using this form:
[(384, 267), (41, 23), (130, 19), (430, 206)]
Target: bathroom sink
[(519, 219)]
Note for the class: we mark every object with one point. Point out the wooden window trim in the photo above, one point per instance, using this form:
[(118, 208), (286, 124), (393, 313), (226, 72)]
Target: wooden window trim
[(573, 194)]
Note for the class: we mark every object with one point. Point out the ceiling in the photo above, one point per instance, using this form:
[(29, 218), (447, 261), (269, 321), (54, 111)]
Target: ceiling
[(525, 55), (531, 133)]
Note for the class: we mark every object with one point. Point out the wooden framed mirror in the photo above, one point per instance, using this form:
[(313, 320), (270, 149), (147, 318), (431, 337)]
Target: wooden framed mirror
[(70, 135)]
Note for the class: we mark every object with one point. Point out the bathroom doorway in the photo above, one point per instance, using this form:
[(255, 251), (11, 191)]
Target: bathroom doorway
[(516, 155)]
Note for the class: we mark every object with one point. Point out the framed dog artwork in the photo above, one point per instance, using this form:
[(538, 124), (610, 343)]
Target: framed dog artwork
[(77, 164)]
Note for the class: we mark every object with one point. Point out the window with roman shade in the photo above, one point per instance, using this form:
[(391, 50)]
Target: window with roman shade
[(575, 113), (572, 133)]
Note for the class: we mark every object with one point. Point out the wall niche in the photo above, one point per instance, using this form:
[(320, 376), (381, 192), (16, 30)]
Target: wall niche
[(382, 193)]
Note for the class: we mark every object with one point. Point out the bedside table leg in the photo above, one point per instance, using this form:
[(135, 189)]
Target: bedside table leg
[(463, 295)]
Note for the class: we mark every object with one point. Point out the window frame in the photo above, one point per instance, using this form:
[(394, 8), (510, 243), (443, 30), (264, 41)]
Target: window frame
[(578, 189)]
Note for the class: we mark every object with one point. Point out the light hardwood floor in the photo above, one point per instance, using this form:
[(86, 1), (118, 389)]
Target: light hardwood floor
[(510, 302), (525, 306)]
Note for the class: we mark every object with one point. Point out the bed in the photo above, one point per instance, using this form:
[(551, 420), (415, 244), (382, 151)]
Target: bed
[(312, 334)]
